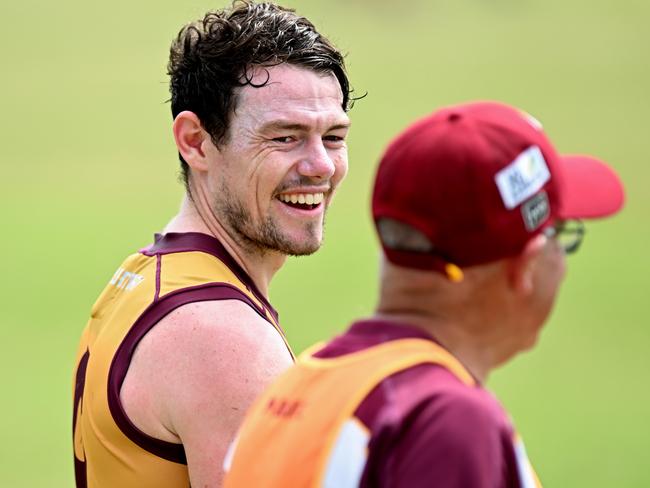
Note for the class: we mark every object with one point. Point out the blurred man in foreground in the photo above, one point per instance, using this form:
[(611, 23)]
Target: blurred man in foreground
[(183, 338), (475, 212)]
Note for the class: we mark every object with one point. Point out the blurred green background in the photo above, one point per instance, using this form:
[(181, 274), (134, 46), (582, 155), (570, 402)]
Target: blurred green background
[(90, 173)]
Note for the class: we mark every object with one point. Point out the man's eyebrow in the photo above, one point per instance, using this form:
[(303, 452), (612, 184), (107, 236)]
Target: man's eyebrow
[(346, 125), (280, 125)]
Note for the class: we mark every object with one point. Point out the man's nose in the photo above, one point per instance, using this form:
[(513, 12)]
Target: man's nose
[(316, 163)]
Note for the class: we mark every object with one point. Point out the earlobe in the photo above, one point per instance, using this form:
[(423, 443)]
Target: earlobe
[(190, 136), (522, 268)]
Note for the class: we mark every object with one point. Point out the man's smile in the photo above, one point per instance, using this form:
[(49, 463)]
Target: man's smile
[(303, 201)]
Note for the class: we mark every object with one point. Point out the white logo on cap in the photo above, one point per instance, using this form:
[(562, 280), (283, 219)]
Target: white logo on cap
[(523, 177)]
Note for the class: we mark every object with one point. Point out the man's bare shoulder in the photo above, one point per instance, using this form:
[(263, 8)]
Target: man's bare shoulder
[(201, 365), (229, 327)]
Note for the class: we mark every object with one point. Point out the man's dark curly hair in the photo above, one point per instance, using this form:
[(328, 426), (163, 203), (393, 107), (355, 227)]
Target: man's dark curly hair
[(213, 56)]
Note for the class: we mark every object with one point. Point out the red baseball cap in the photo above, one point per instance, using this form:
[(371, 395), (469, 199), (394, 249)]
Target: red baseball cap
[(479, 180)]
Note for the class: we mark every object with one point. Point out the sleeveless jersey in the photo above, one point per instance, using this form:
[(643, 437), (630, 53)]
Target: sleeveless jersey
[(304, 412), (177, 269)]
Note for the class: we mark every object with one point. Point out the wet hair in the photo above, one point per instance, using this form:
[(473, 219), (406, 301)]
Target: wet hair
[(214, 56)]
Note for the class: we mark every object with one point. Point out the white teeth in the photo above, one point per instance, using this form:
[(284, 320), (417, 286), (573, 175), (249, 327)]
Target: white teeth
[(303, 198)]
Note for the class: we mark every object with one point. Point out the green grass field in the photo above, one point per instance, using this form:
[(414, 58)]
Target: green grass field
[(89, 174)]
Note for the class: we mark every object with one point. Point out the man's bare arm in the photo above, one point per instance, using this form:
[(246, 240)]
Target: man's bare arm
[(194, 375)]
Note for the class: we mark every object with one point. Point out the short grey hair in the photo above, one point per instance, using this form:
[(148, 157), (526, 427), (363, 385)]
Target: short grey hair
[(399, 236)]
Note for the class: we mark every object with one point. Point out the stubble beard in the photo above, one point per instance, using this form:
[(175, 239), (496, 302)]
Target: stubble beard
[(266, 236)]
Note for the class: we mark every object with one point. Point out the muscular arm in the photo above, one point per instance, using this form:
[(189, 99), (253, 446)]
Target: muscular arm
[(193, 376)]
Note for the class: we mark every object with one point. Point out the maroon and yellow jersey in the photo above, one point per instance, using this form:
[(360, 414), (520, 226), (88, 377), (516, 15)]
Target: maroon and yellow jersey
[(109, 450), (383, 405)]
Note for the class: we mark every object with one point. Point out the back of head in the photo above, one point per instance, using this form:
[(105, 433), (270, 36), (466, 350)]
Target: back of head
[(212, 57), (471, 204)]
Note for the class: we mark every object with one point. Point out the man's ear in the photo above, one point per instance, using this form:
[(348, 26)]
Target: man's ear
[(190, 136), (522, 267)]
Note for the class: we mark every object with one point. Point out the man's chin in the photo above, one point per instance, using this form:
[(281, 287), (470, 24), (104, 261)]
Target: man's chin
[(292, 242), (300, 242), (302, 248)]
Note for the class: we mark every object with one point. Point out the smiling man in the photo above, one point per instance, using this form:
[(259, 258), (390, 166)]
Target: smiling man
[(183, 337)]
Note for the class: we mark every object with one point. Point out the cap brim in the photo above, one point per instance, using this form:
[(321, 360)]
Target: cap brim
[(590, 189)]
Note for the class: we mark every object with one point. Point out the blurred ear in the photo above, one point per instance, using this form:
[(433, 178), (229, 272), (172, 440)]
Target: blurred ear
[(522, 267), (190, 136)]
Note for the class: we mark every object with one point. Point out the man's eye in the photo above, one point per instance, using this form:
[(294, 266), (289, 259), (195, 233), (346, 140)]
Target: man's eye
[(283, 139), (334, 138)]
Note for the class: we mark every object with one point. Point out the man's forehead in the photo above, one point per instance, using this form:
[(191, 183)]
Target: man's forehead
[(290, 87)]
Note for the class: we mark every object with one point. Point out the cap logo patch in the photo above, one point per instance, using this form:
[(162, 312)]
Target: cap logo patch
[(535, 211), (523, 177)]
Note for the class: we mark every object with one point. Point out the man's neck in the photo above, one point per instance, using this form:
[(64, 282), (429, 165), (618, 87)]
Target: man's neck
[(476, 357), (469, 319), (261, 267)]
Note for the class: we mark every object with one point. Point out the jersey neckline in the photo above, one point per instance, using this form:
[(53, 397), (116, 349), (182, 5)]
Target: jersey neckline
[(370, 332), (174, 242)]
